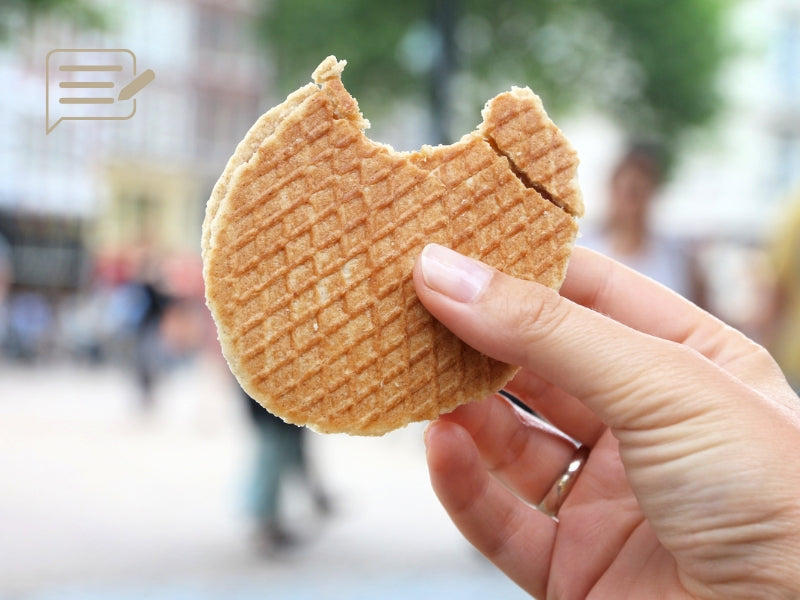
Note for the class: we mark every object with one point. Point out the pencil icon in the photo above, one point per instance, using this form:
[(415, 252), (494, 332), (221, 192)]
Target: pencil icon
[(136, 85)]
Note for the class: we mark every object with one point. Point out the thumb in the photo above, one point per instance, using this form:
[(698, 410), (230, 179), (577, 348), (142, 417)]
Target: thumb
[(617, 371)]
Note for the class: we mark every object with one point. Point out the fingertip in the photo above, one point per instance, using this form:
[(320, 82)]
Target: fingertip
[(443, 433), (454, 466), (426, 434), (449, 447), (455, 276)]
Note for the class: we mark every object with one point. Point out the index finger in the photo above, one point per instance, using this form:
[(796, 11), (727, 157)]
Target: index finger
[(606, 286)]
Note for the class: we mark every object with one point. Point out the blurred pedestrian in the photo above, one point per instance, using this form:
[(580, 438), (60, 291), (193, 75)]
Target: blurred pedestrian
[(280, 455), (627, 233), (30, 325), (149, 351), (784, 327)]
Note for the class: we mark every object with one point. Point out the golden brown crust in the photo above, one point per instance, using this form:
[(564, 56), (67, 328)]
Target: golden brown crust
[(310, 240), (261, 129)]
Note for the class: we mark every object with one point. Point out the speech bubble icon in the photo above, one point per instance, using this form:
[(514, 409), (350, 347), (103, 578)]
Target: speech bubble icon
[(86, 85)]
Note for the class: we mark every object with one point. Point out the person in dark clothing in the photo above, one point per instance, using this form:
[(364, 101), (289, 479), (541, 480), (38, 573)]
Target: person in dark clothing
[(280, 454), (148, 348)]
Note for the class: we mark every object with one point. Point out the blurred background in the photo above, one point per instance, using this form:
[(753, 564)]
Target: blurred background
[(129, 459)]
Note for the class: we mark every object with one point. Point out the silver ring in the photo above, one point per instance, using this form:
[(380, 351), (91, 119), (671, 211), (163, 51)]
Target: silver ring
[(563, 485)]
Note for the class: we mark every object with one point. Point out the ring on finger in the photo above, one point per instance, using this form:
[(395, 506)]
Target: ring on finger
[(563, 485)]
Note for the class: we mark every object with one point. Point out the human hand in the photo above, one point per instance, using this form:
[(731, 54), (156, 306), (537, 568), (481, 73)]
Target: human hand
[(692, 485)]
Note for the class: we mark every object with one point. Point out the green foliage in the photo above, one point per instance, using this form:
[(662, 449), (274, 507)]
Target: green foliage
[(367, 33), (679, 47), (652, 64)]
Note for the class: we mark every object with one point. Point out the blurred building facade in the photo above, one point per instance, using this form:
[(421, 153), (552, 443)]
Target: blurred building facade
[(100, 189), (103, 188)]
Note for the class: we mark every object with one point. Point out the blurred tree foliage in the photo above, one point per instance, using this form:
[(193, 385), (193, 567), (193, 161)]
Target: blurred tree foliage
[(16, 15), (651, 64)]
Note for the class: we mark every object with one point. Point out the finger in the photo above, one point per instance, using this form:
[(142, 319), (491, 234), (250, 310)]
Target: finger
[(566, 413), (518, 449), (573, 347), (515, 537), (598, 282)]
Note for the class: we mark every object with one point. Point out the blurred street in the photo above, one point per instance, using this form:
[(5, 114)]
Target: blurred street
[(100, 501)]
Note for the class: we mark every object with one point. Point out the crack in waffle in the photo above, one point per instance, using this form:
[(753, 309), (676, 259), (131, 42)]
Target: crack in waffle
[(311, 234)]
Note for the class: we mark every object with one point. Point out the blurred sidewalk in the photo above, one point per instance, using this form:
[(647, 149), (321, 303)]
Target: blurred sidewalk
[(98, 501)]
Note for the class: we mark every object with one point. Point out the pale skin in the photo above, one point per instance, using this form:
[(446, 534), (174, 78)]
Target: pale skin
[(692, 486)]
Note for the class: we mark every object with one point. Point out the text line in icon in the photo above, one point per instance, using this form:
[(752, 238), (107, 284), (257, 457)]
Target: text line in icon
[(86, 100)]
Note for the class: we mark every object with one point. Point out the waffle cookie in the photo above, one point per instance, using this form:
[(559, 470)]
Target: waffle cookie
[(310, 239)]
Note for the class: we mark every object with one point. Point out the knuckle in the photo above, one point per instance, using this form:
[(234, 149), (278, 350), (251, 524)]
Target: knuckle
[(538, 319)]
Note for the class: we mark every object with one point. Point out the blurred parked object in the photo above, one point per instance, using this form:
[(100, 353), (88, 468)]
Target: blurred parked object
[(43, 261), (30, 320), (47, 251), (6, 278)]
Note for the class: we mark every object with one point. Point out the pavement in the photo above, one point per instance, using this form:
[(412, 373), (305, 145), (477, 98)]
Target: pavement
[(99, 500)]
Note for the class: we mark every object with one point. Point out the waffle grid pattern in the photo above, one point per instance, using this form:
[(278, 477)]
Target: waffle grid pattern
[(536, 147), (329, 328)]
